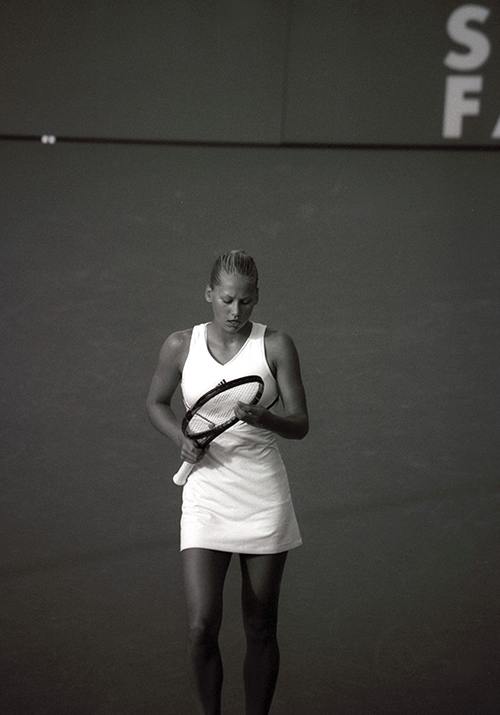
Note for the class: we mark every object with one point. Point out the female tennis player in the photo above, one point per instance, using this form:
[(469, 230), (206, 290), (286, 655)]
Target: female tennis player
[(237, 497)]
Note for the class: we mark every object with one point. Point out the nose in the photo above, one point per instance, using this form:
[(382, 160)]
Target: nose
[(236, 309)]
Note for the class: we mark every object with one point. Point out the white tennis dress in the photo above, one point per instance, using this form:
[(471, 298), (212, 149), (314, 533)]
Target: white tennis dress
[(237, 498)]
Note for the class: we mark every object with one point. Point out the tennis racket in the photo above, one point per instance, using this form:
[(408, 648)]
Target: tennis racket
[(213, 413)]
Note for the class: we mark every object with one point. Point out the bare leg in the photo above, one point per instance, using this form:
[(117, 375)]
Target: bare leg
[(260, 596), (204, 575)]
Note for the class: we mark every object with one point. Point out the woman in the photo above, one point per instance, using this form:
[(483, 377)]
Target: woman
[(236, 499)]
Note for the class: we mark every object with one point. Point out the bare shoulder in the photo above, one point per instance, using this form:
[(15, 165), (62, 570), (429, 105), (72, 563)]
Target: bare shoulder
[(176, 347), (179, 339), (279, 346), (277, 339)]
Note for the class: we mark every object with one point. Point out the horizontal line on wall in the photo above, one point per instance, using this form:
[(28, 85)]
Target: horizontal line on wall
[(52, 140)]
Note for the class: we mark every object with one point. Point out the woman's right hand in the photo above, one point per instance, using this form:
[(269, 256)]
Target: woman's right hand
[(190, 452)]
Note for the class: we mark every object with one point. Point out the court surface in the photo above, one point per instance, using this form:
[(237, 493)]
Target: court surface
[(383, 266)]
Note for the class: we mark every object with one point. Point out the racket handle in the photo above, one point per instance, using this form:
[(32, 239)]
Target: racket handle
[(180, 478)]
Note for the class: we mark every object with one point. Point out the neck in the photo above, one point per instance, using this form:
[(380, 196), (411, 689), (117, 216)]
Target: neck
[(217, 333)]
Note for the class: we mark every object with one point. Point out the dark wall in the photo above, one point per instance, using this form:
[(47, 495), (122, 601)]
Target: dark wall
[(344, 72), (383, 265), (160, 69)]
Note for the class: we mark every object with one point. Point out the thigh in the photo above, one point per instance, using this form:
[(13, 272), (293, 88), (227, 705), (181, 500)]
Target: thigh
[(204, 575), (261, 583)]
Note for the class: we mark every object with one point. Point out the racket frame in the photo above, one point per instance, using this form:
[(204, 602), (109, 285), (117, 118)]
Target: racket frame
[(203, 439)]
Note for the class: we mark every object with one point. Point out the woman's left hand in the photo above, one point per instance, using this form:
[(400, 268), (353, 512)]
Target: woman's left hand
[(251, 414)]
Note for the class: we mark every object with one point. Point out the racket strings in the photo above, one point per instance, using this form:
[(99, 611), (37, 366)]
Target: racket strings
[(219, 410)]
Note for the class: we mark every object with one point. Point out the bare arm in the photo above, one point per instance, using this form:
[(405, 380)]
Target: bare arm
[(284, 361), (163, 386)]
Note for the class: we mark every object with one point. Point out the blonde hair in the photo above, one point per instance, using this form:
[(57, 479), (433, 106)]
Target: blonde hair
[(234, 263)]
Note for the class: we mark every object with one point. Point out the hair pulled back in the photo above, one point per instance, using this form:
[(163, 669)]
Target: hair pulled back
[(234, 263)]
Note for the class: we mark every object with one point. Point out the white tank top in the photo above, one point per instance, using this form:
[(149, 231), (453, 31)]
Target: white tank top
[(202, 371)]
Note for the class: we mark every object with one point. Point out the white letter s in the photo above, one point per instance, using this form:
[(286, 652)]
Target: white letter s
[(476, 41)]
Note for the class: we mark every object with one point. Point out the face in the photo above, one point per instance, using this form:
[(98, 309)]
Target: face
[(233, 301)]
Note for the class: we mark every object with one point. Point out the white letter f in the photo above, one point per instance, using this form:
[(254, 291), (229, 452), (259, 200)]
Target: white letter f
[(457, 106)]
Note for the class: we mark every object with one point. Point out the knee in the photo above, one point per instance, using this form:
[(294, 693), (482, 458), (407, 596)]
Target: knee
[(203, 633), (260, 628)]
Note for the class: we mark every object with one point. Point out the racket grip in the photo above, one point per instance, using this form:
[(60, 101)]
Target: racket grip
[(180, 478)]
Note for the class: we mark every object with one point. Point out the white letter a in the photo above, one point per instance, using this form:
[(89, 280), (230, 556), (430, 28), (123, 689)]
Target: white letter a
[(496, 130)]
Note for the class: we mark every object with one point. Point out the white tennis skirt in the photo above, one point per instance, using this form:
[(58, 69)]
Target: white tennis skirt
[(237, 498)]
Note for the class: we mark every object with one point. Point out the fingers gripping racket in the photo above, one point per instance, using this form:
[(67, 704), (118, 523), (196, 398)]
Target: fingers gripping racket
[(213, 413)]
